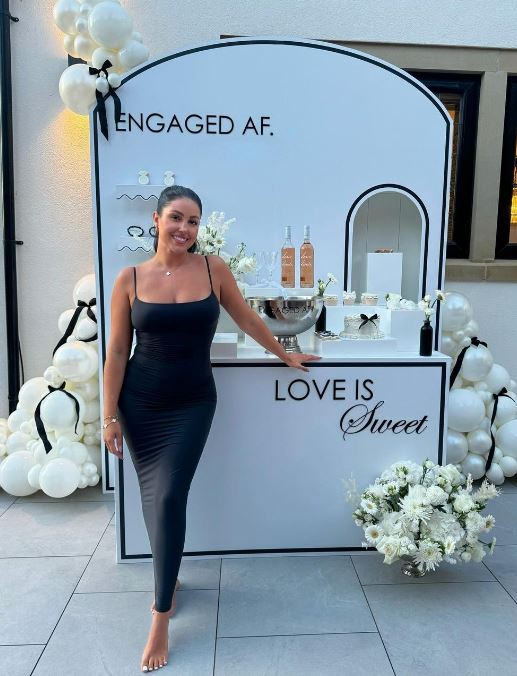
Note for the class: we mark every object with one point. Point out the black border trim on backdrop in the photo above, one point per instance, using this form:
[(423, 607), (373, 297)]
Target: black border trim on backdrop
[(442, 365), (343, 51)]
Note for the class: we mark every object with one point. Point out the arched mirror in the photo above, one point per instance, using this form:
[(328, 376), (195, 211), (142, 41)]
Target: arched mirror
[(394, 222)]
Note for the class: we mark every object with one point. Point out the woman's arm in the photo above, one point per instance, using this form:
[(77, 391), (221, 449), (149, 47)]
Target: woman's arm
[(117, 353), (249, 321)]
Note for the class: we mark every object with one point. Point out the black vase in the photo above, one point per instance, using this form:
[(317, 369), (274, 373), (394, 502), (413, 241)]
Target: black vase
[(426, 339), (321, 322)]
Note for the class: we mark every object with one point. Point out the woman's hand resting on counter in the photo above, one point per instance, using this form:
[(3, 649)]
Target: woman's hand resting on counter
[(295, 359)]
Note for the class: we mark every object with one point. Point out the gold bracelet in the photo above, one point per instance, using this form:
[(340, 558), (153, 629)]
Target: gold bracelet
[(107, 424)]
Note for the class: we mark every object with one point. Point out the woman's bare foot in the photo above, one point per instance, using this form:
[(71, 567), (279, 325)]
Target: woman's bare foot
[(157, 647)]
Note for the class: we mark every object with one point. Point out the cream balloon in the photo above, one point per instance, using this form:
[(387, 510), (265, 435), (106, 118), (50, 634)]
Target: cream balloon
[(110, 25), (92, 411), (495, 474), (497, 378), (59, 477), (89, 389), (84, 46), (52, 376), (457, 447), (474, 465), (456, 311), (31, 393), (478, 442), (93, 480), (506, 410), (85, 288), (33, 476), (64, 320), (76, 452), (77, 88), (466, 410), (95, 456), (100, 55), (472, 328), (477, 363), (448, 345), (85, 328), (65, 13), (17, 441), (68, 433), (76, 361), (69, 45), (16, 418), (506, 438), (58, 410), (13, 473), (508, 465), (132, 54)]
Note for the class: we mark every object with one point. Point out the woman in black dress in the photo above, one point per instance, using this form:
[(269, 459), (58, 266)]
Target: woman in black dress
[(163, 398)]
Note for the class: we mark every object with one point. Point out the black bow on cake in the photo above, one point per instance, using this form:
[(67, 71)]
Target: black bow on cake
[(73, 321), (503, 392), (39, 422), (459, 360), (101, 98), (367, 319)]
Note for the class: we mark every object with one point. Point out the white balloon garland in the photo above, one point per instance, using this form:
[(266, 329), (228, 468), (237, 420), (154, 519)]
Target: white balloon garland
[(74, 459), (472, 400), (96, 32)]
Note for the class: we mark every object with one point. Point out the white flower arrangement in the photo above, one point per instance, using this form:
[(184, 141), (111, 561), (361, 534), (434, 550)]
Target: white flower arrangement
[(322, 284), (427, 512), (211, 240), (426, 305)]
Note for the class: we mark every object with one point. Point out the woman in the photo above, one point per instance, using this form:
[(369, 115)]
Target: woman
[(165, 394)]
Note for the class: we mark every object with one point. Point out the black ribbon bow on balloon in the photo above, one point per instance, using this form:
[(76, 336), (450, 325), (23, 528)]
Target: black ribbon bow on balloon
[(101, 98), (459, 360), (367, 319), (39, 422), (73, 321), (503, 392)]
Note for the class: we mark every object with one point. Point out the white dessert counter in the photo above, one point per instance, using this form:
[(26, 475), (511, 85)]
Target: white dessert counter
[(283, 440)]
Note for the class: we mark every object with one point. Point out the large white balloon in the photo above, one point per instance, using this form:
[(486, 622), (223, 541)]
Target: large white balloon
[(58, 410), (475, 465), (472, 328), (69, 45), (59, 477), (64, 320), (13, 473), (88, 389), (17, 441), (77, 88), (76, 361), (457, 447), (477, 363), (497, 378), (479, 442), (65, 14), (91, 411), (466, 410), (100, 55), (132, 54), (456, 311), (506, 438), (508, 465), (84, 46), (110, 25), (85, 328), (31, 392), (16, 418), (85, 288)]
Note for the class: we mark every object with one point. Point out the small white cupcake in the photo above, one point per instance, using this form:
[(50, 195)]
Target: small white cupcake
[(369, 299), (349, 297)]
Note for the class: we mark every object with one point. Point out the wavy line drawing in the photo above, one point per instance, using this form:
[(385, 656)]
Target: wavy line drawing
[(135, 249), (141, 196)]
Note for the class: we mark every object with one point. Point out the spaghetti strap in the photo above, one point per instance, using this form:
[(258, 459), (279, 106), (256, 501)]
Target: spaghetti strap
[(134, 278), (206, 259)]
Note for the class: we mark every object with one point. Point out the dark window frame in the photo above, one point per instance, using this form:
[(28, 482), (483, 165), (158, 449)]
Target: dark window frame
[(468, 86), (504, 248)]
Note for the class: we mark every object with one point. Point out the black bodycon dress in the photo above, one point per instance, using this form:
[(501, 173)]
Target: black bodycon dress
[(166, 406)]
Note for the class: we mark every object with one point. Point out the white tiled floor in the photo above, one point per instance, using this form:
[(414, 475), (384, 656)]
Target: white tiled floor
[(67, 608)]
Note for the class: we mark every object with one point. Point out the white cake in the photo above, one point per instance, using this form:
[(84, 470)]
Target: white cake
[(362, 326)]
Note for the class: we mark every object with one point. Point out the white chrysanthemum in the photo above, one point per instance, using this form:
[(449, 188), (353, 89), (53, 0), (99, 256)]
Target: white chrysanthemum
[(486, 491), (369, 506), (463, 503), (474, 523), (440, 295), (414, 509), (489, 522), (332, 279), (373, 534), (436, 495), (466, 556), (477, 551), (449, 545), (428, 554)]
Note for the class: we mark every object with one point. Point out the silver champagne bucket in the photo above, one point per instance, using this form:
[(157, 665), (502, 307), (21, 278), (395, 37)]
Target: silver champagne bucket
[(287, 317)]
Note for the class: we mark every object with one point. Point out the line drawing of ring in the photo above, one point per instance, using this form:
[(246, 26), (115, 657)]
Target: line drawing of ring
[(135, 234)]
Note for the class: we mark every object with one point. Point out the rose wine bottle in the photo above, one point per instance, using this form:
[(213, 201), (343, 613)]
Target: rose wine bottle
[(307, 260), (288, 262)]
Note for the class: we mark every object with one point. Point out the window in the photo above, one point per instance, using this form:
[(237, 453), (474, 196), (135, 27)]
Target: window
[(506, 242), (460, 96)]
